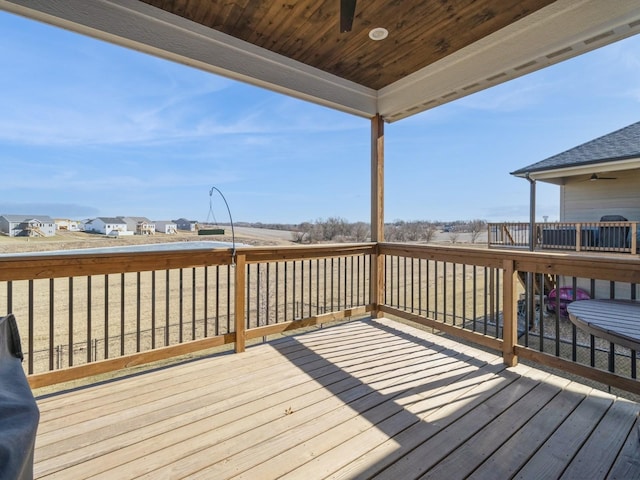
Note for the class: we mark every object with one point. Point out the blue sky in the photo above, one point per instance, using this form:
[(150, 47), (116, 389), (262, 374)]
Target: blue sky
[(91, 129)]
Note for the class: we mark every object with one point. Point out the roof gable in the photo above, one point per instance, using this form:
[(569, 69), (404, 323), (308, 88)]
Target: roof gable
[(135, 219), (111, 220), (26, 218), (622, 144)]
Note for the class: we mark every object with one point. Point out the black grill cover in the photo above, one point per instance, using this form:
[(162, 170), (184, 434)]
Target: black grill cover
[(19, 414)]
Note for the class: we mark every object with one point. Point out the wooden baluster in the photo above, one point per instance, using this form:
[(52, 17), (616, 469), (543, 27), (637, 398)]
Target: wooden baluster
[(240, 285), (510, 314)]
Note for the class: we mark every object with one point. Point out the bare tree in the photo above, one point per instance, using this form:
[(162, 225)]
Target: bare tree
[(297, 237), (335, 227), (360, 232), (317, 232), (303, 233), (476, 227), (413, 231), (429, 232), (395, 232)]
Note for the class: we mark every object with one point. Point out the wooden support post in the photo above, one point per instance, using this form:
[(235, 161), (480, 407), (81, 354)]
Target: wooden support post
[(634, 237), (240, 286), (510, 314), (376, 281), (578, 237)]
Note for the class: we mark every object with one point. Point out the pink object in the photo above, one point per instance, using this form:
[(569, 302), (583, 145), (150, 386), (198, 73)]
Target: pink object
[(566, 297)]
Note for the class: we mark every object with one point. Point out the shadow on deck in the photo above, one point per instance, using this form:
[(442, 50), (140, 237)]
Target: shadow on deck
[(364, 399)]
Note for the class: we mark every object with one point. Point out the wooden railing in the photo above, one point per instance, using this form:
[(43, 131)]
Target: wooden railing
[(617, 237), (476, 295), (81, 315)]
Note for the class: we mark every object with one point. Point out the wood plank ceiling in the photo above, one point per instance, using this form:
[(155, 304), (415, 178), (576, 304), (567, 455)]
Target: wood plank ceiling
[(420, 32)]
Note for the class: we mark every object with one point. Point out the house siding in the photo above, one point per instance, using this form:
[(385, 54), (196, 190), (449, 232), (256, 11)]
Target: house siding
[(585, 201), (184, 224), (166, 227)]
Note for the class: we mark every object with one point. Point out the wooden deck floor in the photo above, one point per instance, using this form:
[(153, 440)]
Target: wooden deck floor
[(366, 399)]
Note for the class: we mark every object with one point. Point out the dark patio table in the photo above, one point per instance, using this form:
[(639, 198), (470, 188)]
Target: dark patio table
[(615, 320)]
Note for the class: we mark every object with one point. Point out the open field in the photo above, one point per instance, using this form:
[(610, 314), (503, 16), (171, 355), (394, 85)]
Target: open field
[(64, 240), (71, 240)]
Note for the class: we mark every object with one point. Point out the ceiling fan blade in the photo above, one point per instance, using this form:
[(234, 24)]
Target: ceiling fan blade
[(347, 13), (595, 177)]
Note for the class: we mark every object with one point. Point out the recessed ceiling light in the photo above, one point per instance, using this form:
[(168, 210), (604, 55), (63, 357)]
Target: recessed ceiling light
[(378, 34)]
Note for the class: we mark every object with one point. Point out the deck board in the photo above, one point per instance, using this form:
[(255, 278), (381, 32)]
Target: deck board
[(466, 457), (522, 445), (364, 399), (600, 450), (559, 450)]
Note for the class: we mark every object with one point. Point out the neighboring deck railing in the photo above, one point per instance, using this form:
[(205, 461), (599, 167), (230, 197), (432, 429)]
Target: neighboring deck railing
[(82, 314), (616, 237)]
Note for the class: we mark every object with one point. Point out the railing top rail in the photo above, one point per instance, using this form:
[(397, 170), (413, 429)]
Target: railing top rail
[(590, 222), (468, 255), (615, 267), (602, 266), (295, 252), (27, 267)]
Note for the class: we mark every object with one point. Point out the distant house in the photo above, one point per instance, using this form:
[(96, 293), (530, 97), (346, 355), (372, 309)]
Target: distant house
[(67, 225), (597, 179), (27, 225), (166, 226), (139, 225), (85, 225), (106, 226), (188, 225)]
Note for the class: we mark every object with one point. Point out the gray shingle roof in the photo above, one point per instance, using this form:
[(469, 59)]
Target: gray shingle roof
[(135, 219), (615, 146), (24, 218), (113, 220)]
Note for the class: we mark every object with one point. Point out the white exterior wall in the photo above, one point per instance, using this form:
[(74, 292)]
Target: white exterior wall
[(166, 227), (105, 228), (587, 201), (120, 233), (48, 228)]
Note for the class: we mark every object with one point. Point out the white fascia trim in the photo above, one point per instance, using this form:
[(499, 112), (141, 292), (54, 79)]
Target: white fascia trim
[(606, 166), (562, 30), (139, 26)]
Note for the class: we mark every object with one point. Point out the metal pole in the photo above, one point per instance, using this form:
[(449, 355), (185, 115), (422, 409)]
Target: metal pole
[(233, 234), (530, 294), (532, 213)]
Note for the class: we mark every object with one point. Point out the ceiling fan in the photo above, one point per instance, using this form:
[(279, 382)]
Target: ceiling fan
[(347, 13), (595, 176)]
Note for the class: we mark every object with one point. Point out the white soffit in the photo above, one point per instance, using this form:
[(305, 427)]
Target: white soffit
[(562, 30), (557, 32), (139, 26), (557, 175)]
